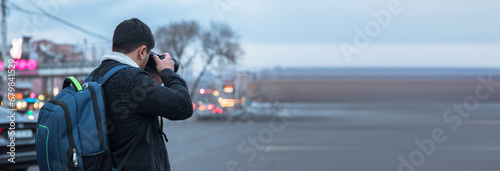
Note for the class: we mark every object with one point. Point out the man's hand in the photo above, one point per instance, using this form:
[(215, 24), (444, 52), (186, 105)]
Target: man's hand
[(167, 62), (156, 77)]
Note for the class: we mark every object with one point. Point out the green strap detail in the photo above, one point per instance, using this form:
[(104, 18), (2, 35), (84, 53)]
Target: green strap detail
[(36, 134), (76, 83), (46, 143)]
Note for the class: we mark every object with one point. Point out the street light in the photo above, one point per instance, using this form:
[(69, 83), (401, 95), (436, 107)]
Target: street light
[(41, 97), (55, 91), (216, 93), (17, 48)]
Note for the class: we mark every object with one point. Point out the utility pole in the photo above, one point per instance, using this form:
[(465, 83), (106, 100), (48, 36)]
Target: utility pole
[(4, 55)]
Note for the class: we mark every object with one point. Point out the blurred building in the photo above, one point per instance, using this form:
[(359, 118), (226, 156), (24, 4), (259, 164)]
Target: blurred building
[(44, 65), (45, 51)]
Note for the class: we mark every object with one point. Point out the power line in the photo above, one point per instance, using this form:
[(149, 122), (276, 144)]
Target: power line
[(67, 23), (14, 6)]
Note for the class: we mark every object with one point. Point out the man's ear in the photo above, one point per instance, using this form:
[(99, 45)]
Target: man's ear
[(143, 52)]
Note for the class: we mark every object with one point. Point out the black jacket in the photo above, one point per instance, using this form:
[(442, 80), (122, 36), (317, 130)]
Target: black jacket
[(133, 103)]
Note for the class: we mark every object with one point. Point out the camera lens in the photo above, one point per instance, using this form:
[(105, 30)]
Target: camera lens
[(151, 65)]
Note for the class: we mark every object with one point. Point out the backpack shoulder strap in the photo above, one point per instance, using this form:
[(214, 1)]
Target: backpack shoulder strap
[(101, 79), (110, 73)]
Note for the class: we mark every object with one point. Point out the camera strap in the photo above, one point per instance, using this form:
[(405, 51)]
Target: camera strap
[(161, 129), (135, 142)]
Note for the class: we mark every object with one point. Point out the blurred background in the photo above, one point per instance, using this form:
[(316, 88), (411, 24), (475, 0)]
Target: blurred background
[(284, 85)]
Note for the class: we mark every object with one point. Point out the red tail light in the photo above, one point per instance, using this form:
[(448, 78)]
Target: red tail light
[(210, 107)]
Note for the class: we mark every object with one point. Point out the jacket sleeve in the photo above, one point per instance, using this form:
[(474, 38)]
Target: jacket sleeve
[(171, 101)]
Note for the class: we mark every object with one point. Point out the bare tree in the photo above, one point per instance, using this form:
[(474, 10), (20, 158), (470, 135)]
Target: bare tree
[(219, 43), (176, 37)]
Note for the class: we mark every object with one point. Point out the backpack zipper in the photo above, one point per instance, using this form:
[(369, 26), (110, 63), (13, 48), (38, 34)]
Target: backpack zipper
[(97, 115), (69, 129)]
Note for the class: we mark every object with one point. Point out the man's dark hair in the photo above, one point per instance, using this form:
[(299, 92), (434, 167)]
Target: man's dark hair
[(130, 34)]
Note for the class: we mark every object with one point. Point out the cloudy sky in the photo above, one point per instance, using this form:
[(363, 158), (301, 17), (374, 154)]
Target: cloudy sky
[(298, 33)]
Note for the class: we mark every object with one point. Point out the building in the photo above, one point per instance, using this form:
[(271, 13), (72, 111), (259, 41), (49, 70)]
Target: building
[(44, 65)]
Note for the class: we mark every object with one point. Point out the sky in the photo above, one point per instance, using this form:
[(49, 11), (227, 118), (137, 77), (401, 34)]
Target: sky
[(298, 33)]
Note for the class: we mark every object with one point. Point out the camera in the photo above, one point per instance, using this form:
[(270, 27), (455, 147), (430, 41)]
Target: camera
[(151, 65)]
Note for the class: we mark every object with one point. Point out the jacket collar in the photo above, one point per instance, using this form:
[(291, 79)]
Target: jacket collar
[(119, 57)]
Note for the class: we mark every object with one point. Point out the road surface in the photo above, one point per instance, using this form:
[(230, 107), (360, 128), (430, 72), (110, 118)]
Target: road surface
[(351, 137)]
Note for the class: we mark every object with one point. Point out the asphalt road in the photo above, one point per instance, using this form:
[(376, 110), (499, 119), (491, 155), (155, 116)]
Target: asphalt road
[(350, 137), (344, 137)]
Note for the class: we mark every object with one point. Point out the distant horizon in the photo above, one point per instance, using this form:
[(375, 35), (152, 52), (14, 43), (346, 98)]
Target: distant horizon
[(346, 72)]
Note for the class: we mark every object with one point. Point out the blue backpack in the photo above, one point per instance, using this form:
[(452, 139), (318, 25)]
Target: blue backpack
[(71, 129)]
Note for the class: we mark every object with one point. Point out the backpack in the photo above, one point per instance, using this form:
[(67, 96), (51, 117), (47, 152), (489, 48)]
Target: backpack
[(71, 129)]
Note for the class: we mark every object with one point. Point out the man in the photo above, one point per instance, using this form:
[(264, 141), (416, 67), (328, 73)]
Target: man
[(134, 100)]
